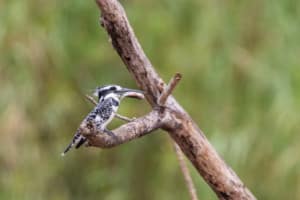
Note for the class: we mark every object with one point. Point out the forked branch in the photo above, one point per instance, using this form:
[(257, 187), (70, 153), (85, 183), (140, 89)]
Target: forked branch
[(169, 89), (170, 117)]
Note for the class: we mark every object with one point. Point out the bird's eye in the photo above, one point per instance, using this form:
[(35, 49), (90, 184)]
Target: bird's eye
[(113, 88)]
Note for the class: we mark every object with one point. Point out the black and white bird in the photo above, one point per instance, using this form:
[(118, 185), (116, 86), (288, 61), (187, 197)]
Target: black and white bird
[(109, 98)]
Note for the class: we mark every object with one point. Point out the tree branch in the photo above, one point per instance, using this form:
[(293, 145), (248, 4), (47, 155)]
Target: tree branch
[(114, 20), (125, 133), (170, 117)]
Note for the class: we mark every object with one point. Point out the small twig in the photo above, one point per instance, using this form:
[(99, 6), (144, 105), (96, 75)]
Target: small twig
[(168, 90), (126, 119), (185, 171), (91, 99)]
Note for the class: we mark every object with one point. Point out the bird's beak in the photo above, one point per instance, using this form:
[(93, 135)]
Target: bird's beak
[(126, 92)]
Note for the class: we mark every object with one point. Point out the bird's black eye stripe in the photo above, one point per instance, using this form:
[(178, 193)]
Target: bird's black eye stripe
[(103, 93), (113, 88), (100, 94)]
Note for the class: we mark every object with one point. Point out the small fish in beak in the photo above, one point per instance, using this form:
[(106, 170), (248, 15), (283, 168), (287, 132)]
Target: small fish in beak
[(126, 92)]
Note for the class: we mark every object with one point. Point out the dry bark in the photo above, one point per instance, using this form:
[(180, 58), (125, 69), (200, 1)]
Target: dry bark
[(167, 114)]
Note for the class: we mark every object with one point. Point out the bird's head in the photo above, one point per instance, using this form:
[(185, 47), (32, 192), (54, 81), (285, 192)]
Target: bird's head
[(116, 92)]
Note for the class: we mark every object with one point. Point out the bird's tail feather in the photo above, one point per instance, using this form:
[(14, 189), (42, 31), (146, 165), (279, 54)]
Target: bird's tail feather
[(67, 149), (81, 142), (78, 140)]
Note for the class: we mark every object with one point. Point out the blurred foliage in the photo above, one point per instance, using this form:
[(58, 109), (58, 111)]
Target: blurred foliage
[(241, 67)]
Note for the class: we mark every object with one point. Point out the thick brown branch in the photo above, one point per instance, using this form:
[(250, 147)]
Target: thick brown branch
[(179, 124), (135, 129)]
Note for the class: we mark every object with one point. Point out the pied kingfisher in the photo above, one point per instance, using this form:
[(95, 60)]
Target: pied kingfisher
[(109, 98)]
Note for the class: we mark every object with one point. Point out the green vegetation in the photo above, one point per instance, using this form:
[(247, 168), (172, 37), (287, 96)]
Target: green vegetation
[(240, 62)]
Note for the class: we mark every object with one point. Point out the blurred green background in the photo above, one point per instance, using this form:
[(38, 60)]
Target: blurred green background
[(240, 62)]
